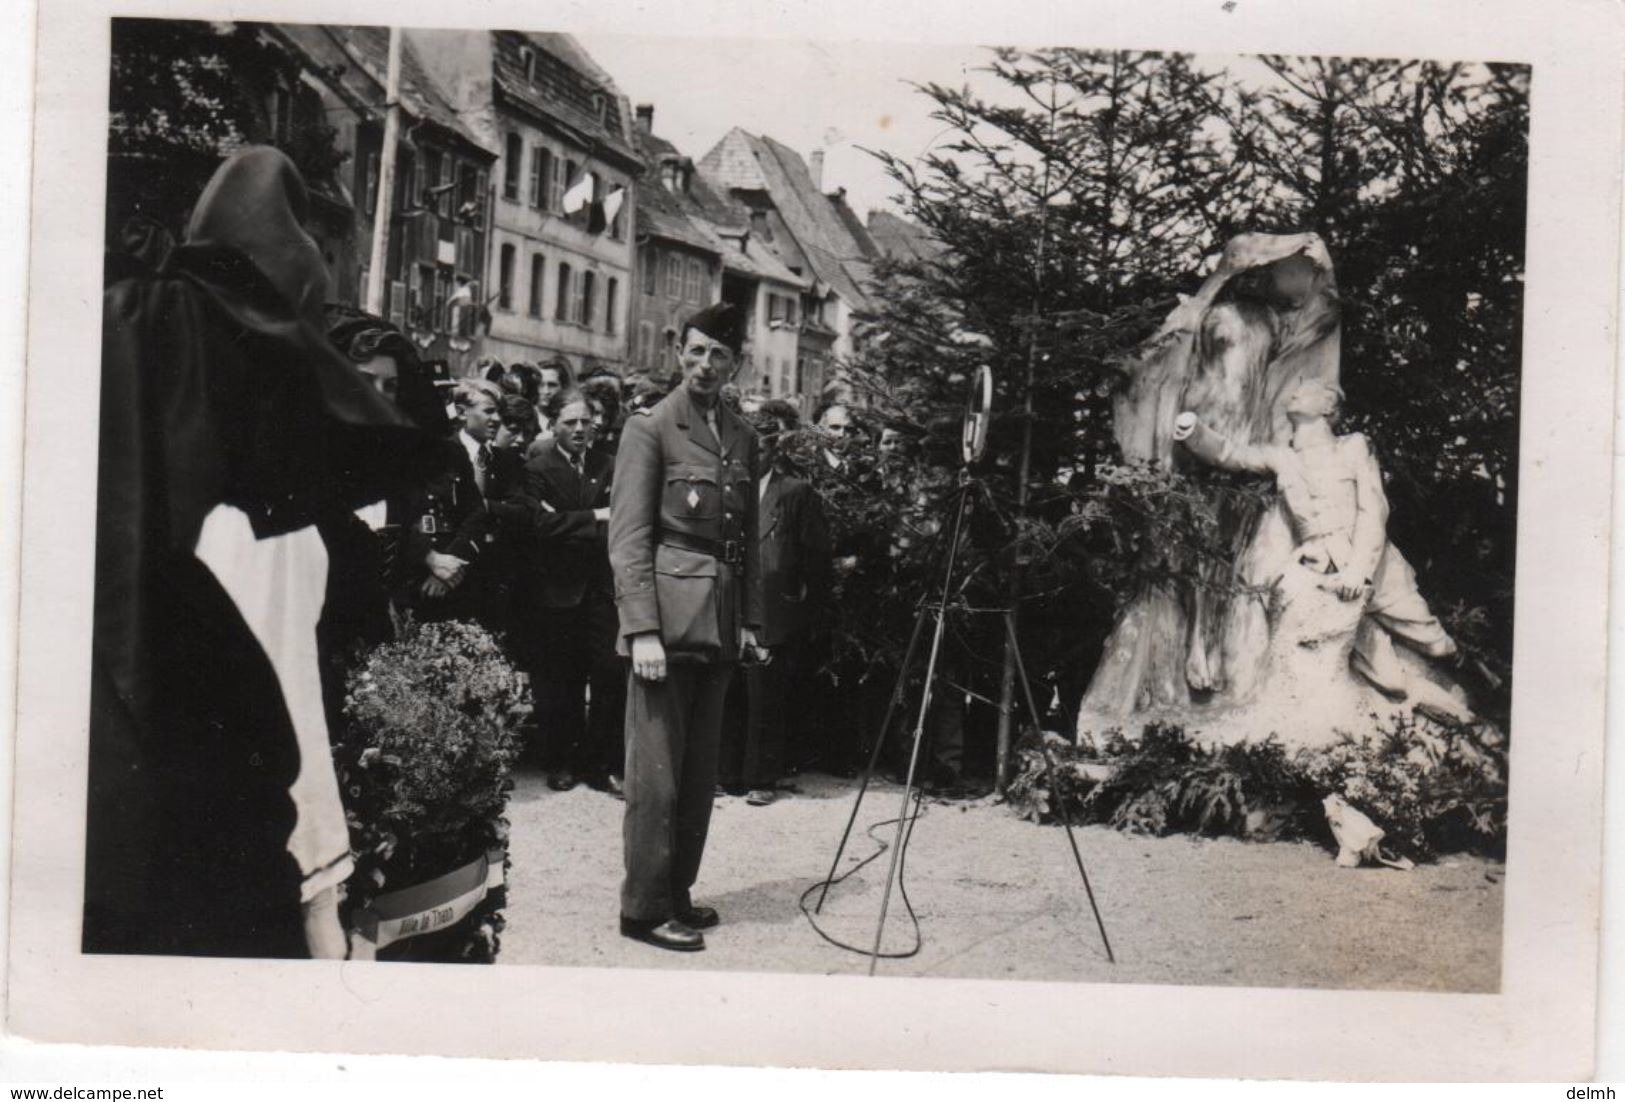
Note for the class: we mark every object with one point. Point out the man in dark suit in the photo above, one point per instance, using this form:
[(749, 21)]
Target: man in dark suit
[(682, 543), (795, 577), (566, 627), (455, 516)]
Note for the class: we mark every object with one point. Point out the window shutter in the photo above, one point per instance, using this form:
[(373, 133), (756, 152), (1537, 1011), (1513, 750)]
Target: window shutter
[(372, 183), (511, 167), (505, 279)]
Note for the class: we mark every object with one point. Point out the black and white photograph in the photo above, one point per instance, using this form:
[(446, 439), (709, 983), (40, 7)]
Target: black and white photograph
[(565, 497)]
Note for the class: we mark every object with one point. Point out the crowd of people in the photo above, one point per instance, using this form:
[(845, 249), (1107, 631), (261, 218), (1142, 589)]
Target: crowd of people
[(285, 484), (512, 534)]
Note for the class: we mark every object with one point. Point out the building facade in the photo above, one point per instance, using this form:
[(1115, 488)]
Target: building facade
[(679, 258), (781, 196), (439, 213), (697, 246), (559, 271)]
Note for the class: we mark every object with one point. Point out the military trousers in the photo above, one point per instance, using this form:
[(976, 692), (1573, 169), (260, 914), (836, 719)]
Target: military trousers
[(673, 736)]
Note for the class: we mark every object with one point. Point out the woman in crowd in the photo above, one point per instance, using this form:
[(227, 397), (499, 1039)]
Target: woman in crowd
[(603, 394)]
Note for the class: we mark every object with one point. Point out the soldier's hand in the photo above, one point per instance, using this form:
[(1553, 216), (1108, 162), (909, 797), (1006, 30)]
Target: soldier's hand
[(649, 656), (448, 569)]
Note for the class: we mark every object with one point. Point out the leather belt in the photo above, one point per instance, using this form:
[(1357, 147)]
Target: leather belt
[(731, 552)]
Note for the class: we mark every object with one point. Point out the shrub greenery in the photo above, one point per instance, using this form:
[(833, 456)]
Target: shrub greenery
[(1435, 787)]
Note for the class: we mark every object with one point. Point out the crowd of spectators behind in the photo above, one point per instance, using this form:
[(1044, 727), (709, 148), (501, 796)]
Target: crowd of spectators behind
[(285, 484), (512, 536)]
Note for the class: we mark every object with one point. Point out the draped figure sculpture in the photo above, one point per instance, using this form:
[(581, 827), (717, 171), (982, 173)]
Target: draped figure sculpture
[(1276, 643)]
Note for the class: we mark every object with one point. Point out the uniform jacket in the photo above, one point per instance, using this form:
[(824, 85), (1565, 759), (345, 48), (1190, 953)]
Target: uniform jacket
[(562, 552), (795, 558), (456, 520), (455, 516), (675, 484)]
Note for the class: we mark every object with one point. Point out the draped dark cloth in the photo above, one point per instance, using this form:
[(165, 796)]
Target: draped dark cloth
[(218, 387)]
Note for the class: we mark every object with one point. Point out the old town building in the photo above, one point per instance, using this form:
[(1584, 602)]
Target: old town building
[(695, 247), (559, 267), (438, 215)]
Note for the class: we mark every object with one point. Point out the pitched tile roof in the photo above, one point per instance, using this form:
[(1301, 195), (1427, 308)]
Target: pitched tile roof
[(836, 250), (854, 225), (565, 88), (702, 217), (660, 211), (900, 239), (421, 97)]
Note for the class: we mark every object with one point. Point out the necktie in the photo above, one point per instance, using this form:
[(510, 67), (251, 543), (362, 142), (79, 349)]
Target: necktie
[(482, 466)]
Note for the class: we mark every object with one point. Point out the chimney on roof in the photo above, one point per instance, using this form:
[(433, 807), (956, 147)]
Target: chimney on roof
[(646, 118), (816, 166)]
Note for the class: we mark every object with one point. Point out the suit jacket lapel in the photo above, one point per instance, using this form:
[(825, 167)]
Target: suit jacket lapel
[(564, 474), (598, 469), (771, 503)]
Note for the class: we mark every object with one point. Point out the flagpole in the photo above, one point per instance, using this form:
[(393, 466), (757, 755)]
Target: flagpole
[(386, 178)]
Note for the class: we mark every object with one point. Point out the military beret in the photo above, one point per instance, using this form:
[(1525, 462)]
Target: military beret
[(722, 322)]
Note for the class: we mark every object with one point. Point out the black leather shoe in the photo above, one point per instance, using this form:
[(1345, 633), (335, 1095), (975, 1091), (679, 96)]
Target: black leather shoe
[(699, 918), (562, 781), (670, 934)]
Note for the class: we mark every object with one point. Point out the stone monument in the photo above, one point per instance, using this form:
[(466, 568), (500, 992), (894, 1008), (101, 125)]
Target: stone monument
[(1319, 628)]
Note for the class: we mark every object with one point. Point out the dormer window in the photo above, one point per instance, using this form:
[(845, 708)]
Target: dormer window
[(527, 60), (600, 106), (676, 175)]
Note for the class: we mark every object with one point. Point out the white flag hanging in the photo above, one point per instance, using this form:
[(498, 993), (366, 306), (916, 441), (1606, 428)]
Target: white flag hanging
[(612, 206), (579, 195)]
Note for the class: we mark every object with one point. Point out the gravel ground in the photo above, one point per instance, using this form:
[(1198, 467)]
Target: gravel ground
[(999, 898)]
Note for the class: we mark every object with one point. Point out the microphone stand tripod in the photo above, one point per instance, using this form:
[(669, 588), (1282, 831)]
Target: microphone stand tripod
[(935, 612)]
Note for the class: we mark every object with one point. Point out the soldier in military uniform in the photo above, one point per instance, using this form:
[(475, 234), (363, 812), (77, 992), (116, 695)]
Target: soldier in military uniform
[(683, 547)]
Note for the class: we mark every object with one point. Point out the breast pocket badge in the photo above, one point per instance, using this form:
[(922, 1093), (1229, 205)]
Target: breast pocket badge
[(693, 498)]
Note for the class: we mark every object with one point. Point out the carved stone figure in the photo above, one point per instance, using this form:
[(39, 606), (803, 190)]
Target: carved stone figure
[(1297, 637), (1331, 488)]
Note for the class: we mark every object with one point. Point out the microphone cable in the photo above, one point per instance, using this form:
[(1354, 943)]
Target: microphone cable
[(902, 885)]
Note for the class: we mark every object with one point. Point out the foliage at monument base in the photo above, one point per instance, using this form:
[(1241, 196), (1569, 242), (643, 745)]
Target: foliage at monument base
[(424, 763), (1434, 787)]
